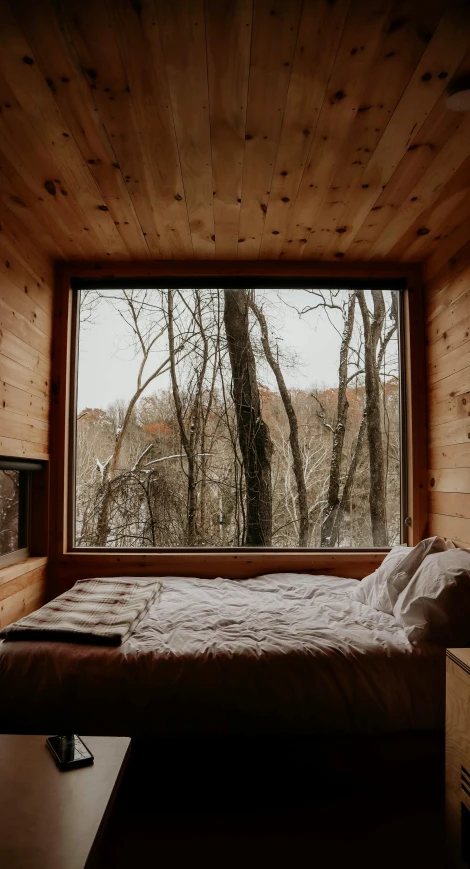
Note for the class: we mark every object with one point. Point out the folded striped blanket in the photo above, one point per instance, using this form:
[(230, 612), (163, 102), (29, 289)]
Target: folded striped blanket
[(98, 611)]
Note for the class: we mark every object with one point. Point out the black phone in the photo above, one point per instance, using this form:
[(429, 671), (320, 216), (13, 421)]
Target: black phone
[(69, 752)]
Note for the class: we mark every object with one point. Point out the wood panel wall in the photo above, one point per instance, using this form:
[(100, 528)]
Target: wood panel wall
[(26, 288), (448, 372)]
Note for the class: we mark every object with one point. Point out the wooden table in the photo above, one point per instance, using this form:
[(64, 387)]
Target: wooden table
[(50, 819)]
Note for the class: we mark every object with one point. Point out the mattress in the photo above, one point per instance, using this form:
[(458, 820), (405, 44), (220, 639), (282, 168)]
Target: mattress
[(282, 653)]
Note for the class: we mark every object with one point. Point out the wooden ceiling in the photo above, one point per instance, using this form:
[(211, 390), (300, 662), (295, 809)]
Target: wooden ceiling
[(235, 129)]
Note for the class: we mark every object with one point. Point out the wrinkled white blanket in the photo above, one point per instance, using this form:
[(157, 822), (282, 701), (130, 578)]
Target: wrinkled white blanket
[(282, 652)]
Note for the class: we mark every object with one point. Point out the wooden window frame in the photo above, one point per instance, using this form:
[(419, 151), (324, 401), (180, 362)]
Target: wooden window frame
[(70, 563)]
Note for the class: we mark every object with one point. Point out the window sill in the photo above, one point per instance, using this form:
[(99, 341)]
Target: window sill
[(236, 565), (13, 571)]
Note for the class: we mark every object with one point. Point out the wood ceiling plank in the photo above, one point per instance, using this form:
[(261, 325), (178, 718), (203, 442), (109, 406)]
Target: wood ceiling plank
[(455, 233), (228, 35), (320, 30), (182, 28), (362, 34), (274, 36), (33, 94), (140, 44), (424, 147), (37, 214), (397, 54), (56, 57), (427, 191), (442, 57), (442, 219), (140, 41), (115, 64)]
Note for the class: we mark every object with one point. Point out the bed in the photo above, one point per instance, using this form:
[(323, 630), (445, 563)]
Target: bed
[(279, 654)]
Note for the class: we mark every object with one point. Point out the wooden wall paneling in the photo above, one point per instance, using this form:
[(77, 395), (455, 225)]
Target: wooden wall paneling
[(449, 480), (448, 367), (24, 594), (442, 57), (450, 504), (228, 35), (449, 455), (23, 402), (455, 232), (184, 49), (454, 408), (55, 54), (321, 28), (22, 247), (455, 529), (453, 270), (273, 42)]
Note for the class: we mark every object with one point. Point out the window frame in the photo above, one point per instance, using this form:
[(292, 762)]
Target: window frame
[(237, 561)]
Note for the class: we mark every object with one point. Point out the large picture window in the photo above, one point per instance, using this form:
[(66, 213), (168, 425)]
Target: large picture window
[(240, 417)]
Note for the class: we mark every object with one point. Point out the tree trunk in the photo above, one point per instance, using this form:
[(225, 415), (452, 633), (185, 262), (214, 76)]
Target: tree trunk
[(188, 441), (297, 464), (373, 324), (253, 433), (330, 525)]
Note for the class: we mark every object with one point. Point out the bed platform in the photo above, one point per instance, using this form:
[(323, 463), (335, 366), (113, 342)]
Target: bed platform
[(279, 654)]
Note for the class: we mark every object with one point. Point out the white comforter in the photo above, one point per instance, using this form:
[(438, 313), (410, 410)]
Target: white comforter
[(282, 652)]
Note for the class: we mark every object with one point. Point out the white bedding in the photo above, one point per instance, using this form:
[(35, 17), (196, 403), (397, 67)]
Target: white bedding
[(282, 652)]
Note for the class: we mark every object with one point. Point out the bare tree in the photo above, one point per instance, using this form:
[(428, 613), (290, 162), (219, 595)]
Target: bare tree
[(374, 348), (145, 337), (253, 433), (297, 463)]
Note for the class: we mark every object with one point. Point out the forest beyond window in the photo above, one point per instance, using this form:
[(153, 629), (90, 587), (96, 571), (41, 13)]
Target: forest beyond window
[(222, 418)]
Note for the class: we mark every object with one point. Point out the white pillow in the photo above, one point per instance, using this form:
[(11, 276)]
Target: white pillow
[(372, 590), (381, 588), (435, 606)]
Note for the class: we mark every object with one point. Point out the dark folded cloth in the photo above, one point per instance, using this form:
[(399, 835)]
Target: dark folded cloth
[(98, 611)]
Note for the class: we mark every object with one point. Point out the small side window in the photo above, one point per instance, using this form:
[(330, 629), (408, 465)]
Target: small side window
[(15, 486)]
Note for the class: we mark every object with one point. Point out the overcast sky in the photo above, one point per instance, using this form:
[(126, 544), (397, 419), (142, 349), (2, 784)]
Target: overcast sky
[(108, 371)]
